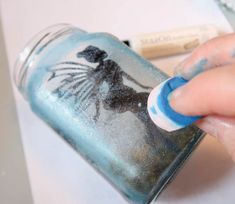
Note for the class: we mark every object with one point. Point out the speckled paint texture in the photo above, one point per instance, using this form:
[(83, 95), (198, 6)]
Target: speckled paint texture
[(92, 90)]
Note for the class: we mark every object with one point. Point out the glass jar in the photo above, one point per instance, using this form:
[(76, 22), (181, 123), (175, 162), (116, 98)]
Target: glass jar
[(92, 90)]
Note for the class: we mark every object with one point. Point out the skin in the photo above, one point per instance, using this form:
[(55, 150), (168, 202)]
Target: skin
[(211, 89)]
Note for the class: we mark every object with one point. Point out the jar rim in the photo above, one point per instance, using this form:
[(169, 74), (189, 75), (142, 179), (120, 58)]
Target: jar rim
[(35, 45)]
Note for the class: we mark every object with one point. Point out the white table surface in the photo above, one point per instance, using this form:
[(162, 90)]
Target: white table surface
[(57, 174)]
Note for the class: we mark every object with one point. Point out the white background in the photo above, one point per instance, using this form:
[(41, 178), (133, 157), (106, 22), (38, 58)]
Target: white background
[(57, 174)]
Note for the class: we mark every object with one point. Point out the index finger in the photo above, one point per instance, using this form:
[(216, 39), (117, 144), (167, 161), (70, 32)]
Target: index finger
[(215, 53)]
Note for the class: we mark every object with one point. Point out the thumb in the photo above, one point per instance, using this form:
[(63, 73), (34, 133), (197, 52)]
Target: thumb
[(211, 92)]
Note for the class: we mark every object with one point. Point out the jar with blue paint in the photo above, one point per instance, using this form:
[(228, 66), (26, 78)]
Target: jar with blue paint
[(93, 90)]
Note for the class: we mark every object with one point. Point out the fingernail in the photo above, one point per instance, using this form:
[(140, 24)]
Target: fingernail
[(207, 125), (178, 70), (176, 99), (183, 71)]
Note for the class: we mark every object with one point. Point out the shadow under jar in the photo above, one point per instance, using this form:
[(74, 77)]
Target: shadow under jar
[(92, 90)]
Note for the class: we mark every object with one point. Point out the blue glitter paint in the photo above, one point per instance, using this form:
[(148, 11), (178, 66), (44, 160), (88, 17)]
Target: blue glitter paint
[(81, 130), (164, 106), (198, 68)]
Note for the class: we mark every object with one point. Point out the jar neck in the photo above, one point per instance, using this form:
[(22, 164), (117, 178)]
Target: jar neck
[(34, 47)]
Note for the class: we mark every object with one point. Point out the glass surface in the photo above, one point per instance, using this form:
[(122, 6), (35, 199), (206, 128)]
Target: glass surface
[(229, 12), (92, 90)]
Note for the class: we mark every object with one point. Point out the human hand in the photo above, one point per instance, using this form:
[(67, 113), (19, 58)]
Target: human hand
[(211, 89)]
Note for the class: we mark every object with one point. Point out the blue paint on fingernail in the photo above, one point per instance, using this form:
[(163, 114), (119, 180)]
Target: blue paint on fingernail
[(199, 67)]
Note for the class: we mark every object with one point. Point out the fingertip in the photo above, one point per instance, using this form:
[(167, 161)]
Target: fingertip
[(189, 69), (208, 126), (182, 100), (179, 70), (175, 100), (216, 52)]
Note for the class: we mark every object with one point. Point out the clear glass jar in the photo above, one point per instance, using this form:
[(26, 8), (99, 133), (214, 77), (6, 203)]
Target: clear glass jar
[(92, 90)]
